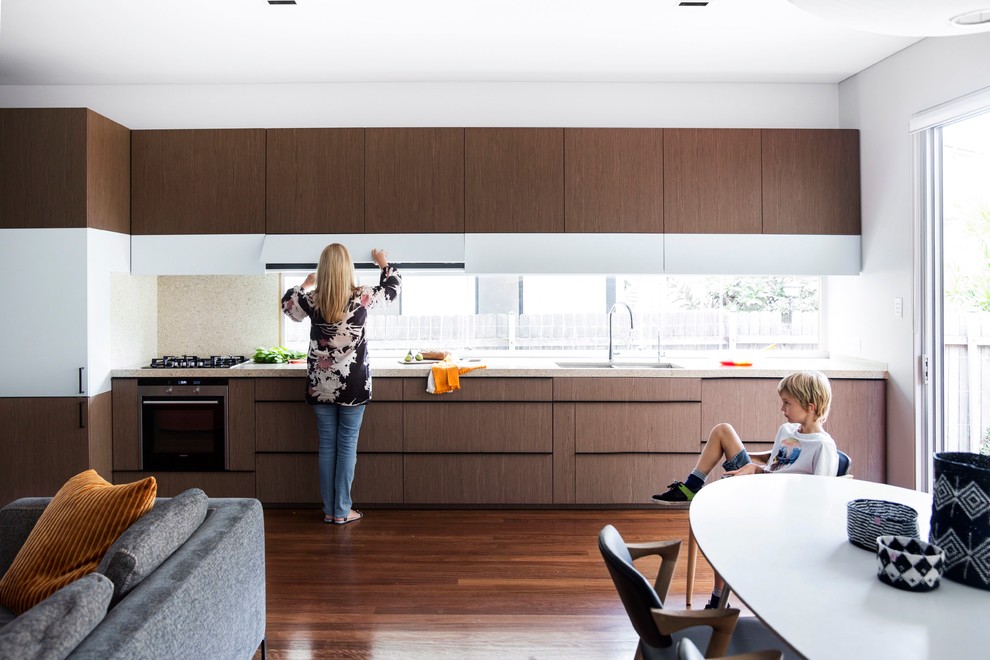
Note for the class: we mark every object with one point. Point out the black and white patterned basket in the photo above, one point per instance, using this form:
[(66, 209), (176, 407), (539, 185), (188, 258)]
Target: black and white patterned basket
[(868, 519), (908, 563)]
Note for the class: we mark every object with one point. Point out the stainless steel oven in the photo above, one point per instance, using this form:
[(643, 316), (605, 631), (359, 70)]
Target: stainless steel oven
[(183, 424)]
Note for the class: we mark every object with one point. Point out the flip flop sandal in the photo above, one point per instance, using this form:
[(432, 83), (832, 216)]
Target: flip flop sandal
[(348, 519)]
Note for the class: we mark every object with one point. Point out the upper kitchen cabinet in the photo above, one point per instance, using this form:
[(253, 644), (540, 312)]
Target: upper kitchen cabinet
[(63, 168), (811, 182), (198, 182), (514, 180), (712, 182), (315, 181), (613, 180), (414, 180)]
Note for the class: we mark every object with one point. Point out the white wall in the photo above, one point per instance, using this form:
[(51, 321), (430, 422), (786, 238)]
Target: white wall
[(730, 105), (880, 101)]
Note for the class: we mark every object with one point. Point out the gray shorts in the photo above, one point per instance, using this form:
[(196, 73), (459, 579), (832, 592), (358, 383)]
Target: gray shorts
[(737, 461)]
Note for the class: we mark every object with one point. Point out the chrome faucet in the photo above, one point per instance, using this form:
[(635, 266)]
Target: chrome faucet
[(610, 313)]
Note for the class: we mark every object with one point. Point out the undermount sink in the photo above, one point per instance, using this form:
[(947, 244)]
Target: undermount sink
[(619, 365)]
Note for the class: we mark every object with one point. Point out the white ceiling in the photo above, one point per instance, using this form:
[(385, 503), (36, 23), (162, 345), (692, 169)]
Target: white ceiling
[(70, 42)]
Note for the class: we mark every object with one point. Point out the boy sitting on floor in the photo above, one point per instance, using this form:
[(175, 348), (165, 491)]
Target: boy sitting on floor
[(802, 446)]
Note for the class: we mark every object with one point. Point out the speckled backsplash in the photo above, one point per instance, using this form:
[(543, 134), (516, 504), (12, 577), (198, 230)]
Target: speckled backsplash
[(198, 315), (217, 314), (133, 319)]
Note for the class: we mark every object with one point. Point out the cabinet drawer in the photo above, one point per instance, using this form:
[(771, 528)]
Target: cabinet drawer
[(478, 427), (478, 479), (214, 484), (285, 427), (752, 406), (294, 389), (627, 389), (627, 478), (639, 427), (295, 479), (483, 389)]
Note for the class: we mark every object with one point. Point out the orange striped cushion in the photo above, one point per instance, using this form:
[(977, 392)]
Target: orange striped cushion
[(73, 533)]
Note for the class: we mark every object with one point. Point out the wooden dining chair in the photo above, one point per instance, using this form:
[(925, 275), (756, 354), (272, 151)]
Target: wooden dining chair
[(845, 465), (688, 651), (721, 631)]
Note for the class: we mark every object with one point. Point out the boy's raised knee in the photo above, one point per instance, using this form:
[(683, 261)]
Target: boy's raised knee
[(723, 429)]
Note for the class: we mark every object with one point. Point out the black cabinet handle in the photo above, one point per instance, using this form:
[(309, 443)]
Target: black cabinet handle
[(81, 390), (82, 414)]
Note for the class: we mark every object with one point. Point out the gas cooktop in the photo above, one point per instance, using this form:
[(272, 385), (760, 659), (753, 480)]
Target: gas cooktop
[(195, 362)]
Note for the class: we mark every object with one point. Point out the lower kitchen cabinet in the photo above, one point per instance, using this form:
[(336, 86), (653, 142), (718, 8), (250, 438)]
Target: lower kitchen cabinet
[(509, 426), (214, 484), (497, 441), (615, 439), (295, 479), (478, 478), (48, 440), (636, 427), (856, 420), (291, 427), (627, 478)]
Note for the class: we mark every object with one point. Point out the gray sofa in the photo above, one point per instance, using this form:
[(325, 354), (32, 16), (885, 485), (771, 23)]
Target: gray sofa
[(187, 580)]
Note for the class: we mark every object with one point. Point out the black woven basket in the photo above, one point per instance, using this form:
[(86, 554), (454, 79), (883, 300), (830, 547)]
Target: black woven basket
[(868, 519), (960, 522)]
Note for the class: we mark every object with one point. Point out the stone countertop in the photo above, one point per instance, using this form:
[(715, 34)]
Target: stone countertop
[(544, 367)]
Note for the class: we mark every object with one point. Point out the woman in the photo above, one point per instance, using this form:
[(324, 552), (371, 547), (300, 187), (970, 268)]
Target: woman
[(339, 378)]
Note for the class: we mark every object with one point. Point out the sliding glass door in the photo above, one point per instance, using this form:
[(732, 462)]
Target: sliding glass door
[(956, 292)]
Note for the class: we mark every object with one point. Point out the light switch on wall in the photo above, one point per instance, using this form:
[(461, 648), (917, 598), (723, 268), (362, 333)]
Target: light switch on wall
[(898, 308)]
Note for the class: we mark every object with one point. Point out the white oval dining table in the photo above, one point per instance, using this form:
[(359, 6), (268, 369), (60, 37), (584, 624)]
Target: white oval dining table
[(780, 543)]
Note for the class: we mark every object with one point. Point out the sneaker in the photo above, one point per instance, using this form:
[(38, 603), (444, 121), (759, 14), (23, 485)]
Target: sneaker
[(712, 603), (677, 493)]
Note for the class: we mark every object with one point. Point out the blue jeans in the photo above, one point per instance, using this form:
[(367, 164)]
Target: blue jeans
[(338, 428)]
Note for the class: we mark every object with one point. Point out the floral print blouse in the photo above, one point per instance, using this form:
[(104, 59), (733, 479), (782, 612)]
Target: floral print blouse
[(337, 361)]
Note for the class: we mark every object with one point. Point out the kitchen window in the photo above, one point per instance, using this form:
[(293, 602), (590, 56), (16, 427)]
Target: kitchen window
[(563, 315)]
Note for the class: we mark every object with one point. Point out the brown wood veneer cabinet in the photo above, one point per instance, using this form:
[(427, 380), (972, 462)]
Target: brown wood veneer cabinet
[(198, 182), (516, 441), (47, 440), (712, 181), (513, 180), (286, 443), (856, 421), (315, 181), (414, 180), (614, 180), (811, 181), (625, 435), (63, 168)]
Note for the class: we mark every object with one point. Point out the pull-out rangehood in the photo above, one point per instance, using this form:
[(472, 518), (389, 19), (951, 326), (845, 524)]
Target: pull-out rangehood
[(508, 254), (421, 252)]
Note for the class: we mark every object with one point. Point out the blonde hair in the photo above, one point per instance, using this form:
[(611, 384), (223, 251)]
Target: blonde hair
[(335, 282), (808, 388)]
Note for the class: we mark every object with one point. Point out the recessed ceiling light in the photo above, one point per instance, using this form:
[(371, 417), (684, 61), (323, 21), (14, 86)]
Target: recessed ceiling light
[(909, 18), (281, 2), (692, 4), (978, 17)]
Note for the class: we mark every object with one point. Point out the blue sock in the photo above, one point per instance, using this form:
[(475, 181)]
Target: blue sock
[(696, 480)]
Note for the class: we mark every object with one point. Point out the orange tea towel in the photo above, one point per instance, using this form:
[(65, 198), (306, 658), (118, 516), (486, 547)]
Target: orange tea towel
[(445, 376)]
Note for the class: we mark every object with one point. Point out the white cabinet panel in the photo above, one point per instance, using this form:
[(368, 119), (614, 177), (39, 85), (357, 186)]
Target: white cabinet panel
[(197, 254), (761, 254), (43, 298)]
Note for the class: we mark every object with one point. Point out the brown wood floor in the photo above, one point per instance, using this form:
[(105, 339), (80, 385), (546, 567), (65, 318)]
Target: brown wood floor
[(457, 584)]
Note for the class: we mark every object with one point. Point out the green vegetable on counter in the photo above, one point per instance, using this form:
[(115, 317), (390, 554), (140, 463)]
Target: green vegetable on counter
[(276, 354)]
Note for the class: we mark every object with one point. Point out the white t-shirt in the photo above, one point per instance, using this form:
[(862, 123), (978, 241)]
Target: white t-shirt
[(803, 453)]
